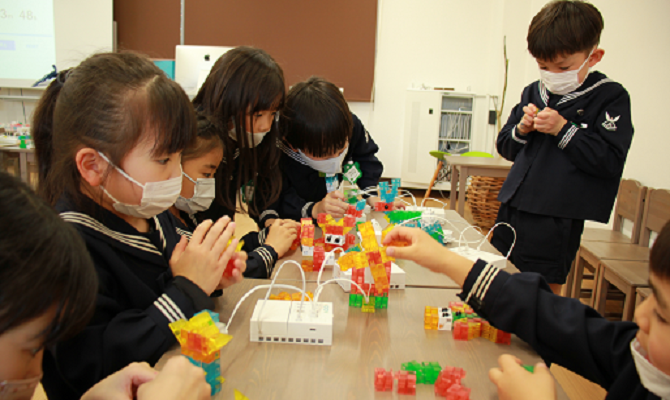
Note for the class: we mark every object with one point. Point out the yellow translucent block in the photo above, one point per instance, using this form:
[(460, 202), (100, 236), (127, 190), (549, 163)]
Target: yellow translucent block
[(385, 257), (176, 328), (201, 320), (240, 396), (221, 340), (273, 297), (368, 308), (493, 334)]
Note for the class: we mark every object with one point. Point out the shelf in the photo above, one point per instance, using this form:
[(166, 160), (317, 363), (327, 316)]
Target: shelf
[(19, 98), (456, 112), (454, 140)]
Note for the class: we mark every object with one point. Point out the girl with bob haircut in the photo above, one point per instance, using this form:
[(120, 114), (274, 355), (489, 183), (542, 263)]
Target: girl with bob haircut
[(109, 135), (242, 97)]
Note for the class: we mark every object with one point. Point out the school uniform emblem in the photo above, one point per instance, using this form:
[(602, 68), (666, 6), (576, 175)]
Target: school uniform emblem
[(609, 123)]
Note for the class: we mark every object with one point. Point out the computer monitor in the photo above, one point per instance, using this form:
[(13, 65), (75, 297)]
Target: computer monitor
[(193, 63)]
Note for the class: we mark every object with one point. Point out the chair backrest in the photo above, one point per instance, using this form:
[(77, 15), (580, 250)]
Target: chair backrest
[(656, 213), (476, 154), (630, 206)]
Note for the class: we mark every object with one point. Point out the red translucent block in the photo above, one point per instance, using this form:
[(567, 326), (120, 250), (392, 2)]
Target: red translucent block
[(503, 337), (458, 392), (381, 206), (320, 241), (374, 257), (447, 378), (383, 380), (350, 239), (335, 230), (322, 218), (406, 382), (460, 330), (228, 272), (349, 221)]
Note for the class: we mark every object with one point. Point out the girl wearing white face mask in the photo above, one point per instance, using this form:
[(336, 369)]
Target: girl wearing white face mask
[(242, 95), (109, 136), (320, 135), (47, 299), (199, 162)]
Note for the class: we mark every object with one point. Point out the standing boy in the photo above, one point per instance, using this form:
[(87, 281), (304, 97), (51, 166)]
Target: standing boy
[(568, 138)]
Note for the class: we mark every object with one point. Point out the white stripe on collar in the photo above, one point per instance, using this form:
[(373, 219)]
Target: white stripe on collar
[(139, 242), (290, 152), (544, 95), (160, 231), (574, 95)]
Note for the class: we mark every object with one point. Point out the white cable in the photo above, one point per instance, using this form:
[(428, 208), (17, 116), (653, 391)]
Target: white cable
[(410, 193), (247, 294), (434, 199), (318, 278), (460, 239), (319, 288), (491, 230), (304, 283)]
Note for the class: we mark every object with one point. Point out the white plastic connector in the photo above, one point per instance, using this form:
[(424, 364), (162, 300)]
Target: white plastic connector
[(397, 277), (289, 322)]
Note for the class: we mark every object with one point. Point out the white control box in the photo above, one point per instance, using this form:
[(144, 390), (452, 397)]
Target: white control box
[(438, 212), (285, 322), (470, 253), (397, 277)]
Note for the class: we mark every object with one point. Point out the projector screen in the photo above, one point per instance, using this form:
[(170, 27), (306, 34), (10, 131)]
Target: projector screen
[(36, 34)]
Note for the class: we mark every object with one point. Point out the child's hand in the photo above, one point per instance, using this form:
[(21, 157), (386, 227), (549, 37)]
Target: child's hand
[(422, 249), (282, 234), (399, 205), (239, 261), (515, 383), (549, 121), (527, 123), (123, 384), (203, 259), (332, 204), (178, 380)]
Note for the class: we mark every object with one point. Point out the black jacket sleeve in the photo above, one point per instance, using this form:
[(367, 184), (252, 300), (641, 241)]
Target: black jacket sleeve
[(562, 330), (262, 257), (510, 142)]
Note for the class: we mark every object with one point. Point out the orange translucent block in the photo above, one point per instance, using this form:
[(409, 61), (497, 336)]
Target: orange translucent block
[(430, 318), (347, 261), (199, 337), (307, 265)]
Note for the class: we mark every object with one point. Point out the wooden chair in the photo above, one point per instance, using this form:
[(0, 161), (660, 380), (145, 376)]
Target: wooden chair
[(441, 161), (629, 205), (627, 270)]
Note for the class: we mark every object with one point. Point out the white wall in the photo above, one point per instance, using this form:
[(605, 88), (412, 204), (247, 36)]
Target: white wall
[(458, 44)]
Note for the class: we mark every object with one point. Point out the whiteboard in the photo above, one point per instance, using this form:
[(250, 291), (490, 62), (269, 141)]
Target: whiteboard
[(81, 28)]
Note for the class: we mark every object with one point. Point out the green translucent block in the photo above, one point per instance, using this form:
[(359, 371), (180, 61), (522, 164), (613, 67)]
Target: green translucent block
[(529, 368)]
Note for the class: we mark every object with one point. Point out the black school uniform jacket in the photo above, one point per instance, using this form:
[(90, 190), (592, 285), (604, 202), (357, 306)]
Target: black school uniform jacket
[(138, 297), (303, 187), (261, 257), (575, 174), (562, 330)]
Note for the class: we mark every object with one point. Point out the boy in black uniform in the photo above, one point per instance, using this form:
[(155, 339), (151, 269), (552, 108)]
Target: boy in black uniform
[(320, 135), (631, 360), (568, 138)]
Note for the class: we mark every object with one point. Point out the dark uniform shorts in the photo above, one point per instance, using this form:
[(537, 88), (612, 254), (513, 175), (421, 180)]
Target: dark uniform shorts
[(546, 245)]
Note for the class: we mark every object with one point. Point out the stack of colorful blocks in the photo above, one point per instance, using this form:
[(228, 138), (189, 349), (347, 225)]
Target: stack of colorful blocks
[(387, 193), (467, 325), (201, 342), (448, 384), (437, 318), (447, 381)]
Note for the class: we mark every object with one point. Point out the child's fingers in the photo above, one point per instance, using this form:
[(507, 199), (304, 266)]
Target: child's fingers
[(399, 233), (215, 232), (227, 254), (200, 231), (222, 241), (509, 363), (337, 195), (179, 249), (495, 375)]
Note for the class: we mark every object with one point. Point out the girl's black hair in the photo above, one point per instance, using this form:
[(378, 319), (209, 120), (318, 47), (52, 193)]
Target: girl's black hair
[(209, 138), (659, 258), (109, 103), (244, 81), (44, 264), (316, 118)]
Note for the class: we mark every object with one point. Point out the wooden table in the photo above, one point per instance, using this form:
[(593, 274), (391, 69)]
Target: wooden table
[(416, 276), (25, 156), (361, 343), (463, 167)]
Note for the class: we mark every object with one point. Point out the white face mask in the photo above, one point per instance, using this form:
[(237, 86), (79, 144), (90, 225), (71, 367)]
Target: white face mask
[(23, 389), (203, 195), (653, 379), (156, 196), (330, 166), (254, 139), (562, 83)]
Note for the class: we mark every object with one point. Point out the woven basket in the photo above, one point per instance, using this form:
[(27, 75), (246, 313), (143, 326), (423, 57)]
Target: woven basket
[(482, 197)]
